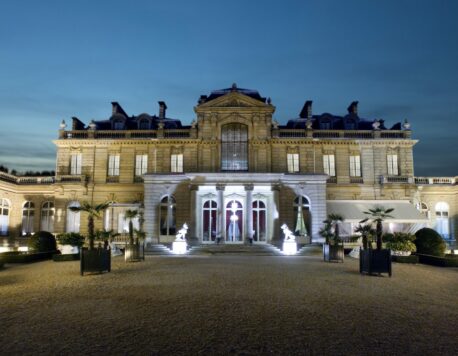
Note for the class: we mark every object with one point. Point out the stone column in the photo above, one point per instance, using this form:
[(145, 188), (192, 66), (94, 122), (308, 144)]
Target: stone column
[(220, 213), (276, 213), (151, 226), (249, 213), (192, 212)]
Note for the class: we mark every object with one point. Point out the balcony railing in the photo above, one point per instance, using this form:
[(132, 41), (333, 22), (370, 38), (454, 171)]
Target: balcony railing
[(124, 134), (332, 180), (71, 178), (436, 180), (343, 134), (356, 180), (26, 180)]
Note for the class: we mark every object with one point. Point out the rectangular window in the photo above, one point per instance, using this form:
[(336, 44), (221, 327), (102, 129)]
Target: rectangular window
[(355, 166), (113, 165), (392, 161), (329, 165), (176, 163), (293, 162), (75, 164), (141, 164)]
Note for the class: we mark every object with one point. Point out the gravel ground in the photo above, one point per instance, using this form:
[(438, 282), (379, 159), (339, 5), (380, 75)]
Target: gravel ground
[(240, 305)]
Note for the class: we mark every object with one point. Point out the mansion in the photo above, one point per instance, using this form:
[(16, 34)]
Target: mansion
[(234, 175)]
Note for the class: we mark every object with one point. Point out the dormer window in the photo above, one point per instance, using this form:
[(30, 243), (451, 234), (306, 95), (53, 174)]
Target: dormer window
[(350, 125), (118, 125), (143, 124), (325, 125)]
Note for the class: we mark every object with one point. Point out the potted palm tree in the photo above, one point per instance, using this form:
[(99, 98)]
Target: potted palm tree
[(366, 232), (93, 259), (333, 249), (378, 260), (134, 249)]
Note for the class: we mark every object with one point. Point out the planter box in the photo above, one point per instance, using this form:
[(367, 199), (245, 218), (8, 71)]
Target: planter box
[(96, 260), (134, 253), (25, 257), (375, 261), (333, 253)]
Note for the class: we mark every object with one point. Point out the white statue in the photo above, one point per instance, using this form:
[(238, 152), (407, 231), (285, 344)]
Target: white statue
[(181, 236), (289, 236)]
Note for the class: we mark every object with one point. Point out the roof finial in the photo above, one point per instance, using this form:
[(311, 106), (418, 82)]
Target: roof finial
[(234, 86)]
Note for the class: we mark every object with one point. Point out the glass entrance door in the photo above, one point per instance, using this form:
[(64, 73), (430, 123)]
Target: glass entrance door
[(234, 222)]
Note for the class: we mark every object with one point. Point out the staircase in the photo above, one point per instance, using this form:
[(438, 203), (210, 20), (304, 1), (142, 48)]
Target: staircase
[(222, 249), (157, 250), (310, 250)]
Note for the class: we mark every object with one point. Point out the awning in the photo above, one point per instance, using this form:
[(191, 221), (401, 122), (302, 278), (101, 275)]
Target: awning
[(353, 210)]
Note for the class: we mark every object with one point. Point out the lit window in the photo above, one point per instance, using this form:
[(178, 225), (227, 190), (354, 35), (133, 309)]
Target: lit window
[(28, 213), (4, 216), (176, 163), (47, 216), (234, 147), (442, 221), (329, 165), (75, 164), (141, 164), (113, 165), (209, 220), (392, 161), (259, 221), (293, 162), (73, 217), (302, 216), (167, 216), (355, 166)]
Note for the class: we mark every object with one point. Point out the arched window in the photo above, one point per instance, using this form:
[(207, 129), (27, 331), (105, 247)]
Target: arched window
[(234, 147), (47, 216), (4, 216), (234, 221), (73, 218), (259, 220), (442, 222), (209, 212), (28, 212), (119, 124), (168, 216), (302, 216)]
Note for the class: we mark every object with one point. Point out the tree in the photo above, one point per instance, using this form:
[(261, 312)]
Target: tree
[(325, 231), (377, 216), (93, 212), (335, 220), (366, 232), (131, 215)]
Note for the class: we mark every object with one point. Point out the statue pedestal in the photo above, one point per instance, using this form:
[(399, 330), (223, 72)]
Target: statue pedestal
[(289, 247), (179, 247)]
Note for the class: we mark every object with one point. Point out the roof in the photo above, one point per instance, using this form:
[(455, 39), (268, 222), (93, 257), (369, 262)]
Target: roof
[(220, 92), (338, 122)]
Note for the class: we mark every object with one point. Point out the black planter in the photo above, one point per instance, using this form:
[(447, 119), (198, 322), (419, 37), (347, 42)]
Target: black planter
[(134, 252), (375, 261), (333, 253), (96, 260)]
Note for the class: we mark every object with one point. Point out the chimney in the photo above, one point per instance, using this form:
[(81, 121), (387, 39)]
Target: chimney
[(353, 108), (162, 109), (114, 107), (306, 112)]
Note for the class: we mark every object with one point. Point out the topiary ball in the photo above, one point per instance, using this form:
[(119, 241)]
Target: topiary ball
[(429, 242), (42, 241)]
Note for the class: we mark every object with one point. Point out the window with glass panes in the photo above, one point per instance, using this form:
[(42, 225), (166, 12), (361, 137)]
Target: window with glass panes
[(75, 163), (293, 162), (113, 165), (141, 164), (355, 166), (329, 165), (392, 161), (176, 163)]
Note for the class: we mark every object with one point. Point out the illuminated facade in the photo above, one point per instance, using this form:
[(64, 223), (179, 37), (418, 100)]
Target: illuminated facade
[(234, 174)]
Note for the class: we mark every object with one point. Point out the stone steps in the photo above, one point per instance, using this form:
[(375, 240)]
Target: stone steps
[(157, 250), (256, 250)]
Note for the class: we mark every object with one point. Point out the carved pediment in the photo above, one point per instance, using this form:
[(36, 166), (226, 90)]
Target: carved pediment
[(233, 100)]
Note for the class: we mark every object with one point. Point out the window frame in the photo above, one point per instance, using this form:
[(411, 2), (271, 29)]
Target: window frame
[(292, 161), (329, 164)]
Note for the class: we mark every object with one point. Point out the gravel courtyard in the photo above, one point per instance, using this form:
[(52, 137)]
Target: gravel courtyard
[(240, 305)]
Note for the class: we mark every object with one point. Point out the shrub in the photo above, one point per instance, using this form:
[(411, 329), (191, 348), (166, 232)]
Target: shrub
[(42, 241), (400, 241), (429, 242), (71, 238)]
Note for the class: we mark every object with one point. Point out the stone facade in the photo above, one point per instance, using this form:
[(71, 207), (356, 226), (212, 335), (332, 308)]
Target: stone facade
[(311, 156)]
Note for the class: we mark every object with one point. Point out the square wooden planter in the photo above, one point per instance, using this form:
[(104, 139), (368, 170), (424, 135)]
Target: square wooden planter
[(333, 253), (134, 252), (96, 260), (375, 261)]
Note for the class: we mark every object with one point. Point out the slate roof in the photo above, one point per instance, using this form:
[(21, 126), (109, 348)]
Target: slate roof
[(337, 123), (220, 92)]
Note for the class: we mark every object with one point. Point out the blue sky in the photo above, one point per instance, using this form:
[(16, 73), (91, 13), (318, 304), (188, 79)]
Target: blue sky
[(60, 59)]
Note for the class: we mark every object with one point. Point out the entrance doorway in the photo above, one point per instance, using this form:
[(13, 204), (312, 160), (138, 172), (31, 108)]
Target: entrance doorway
[(234, 222)]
